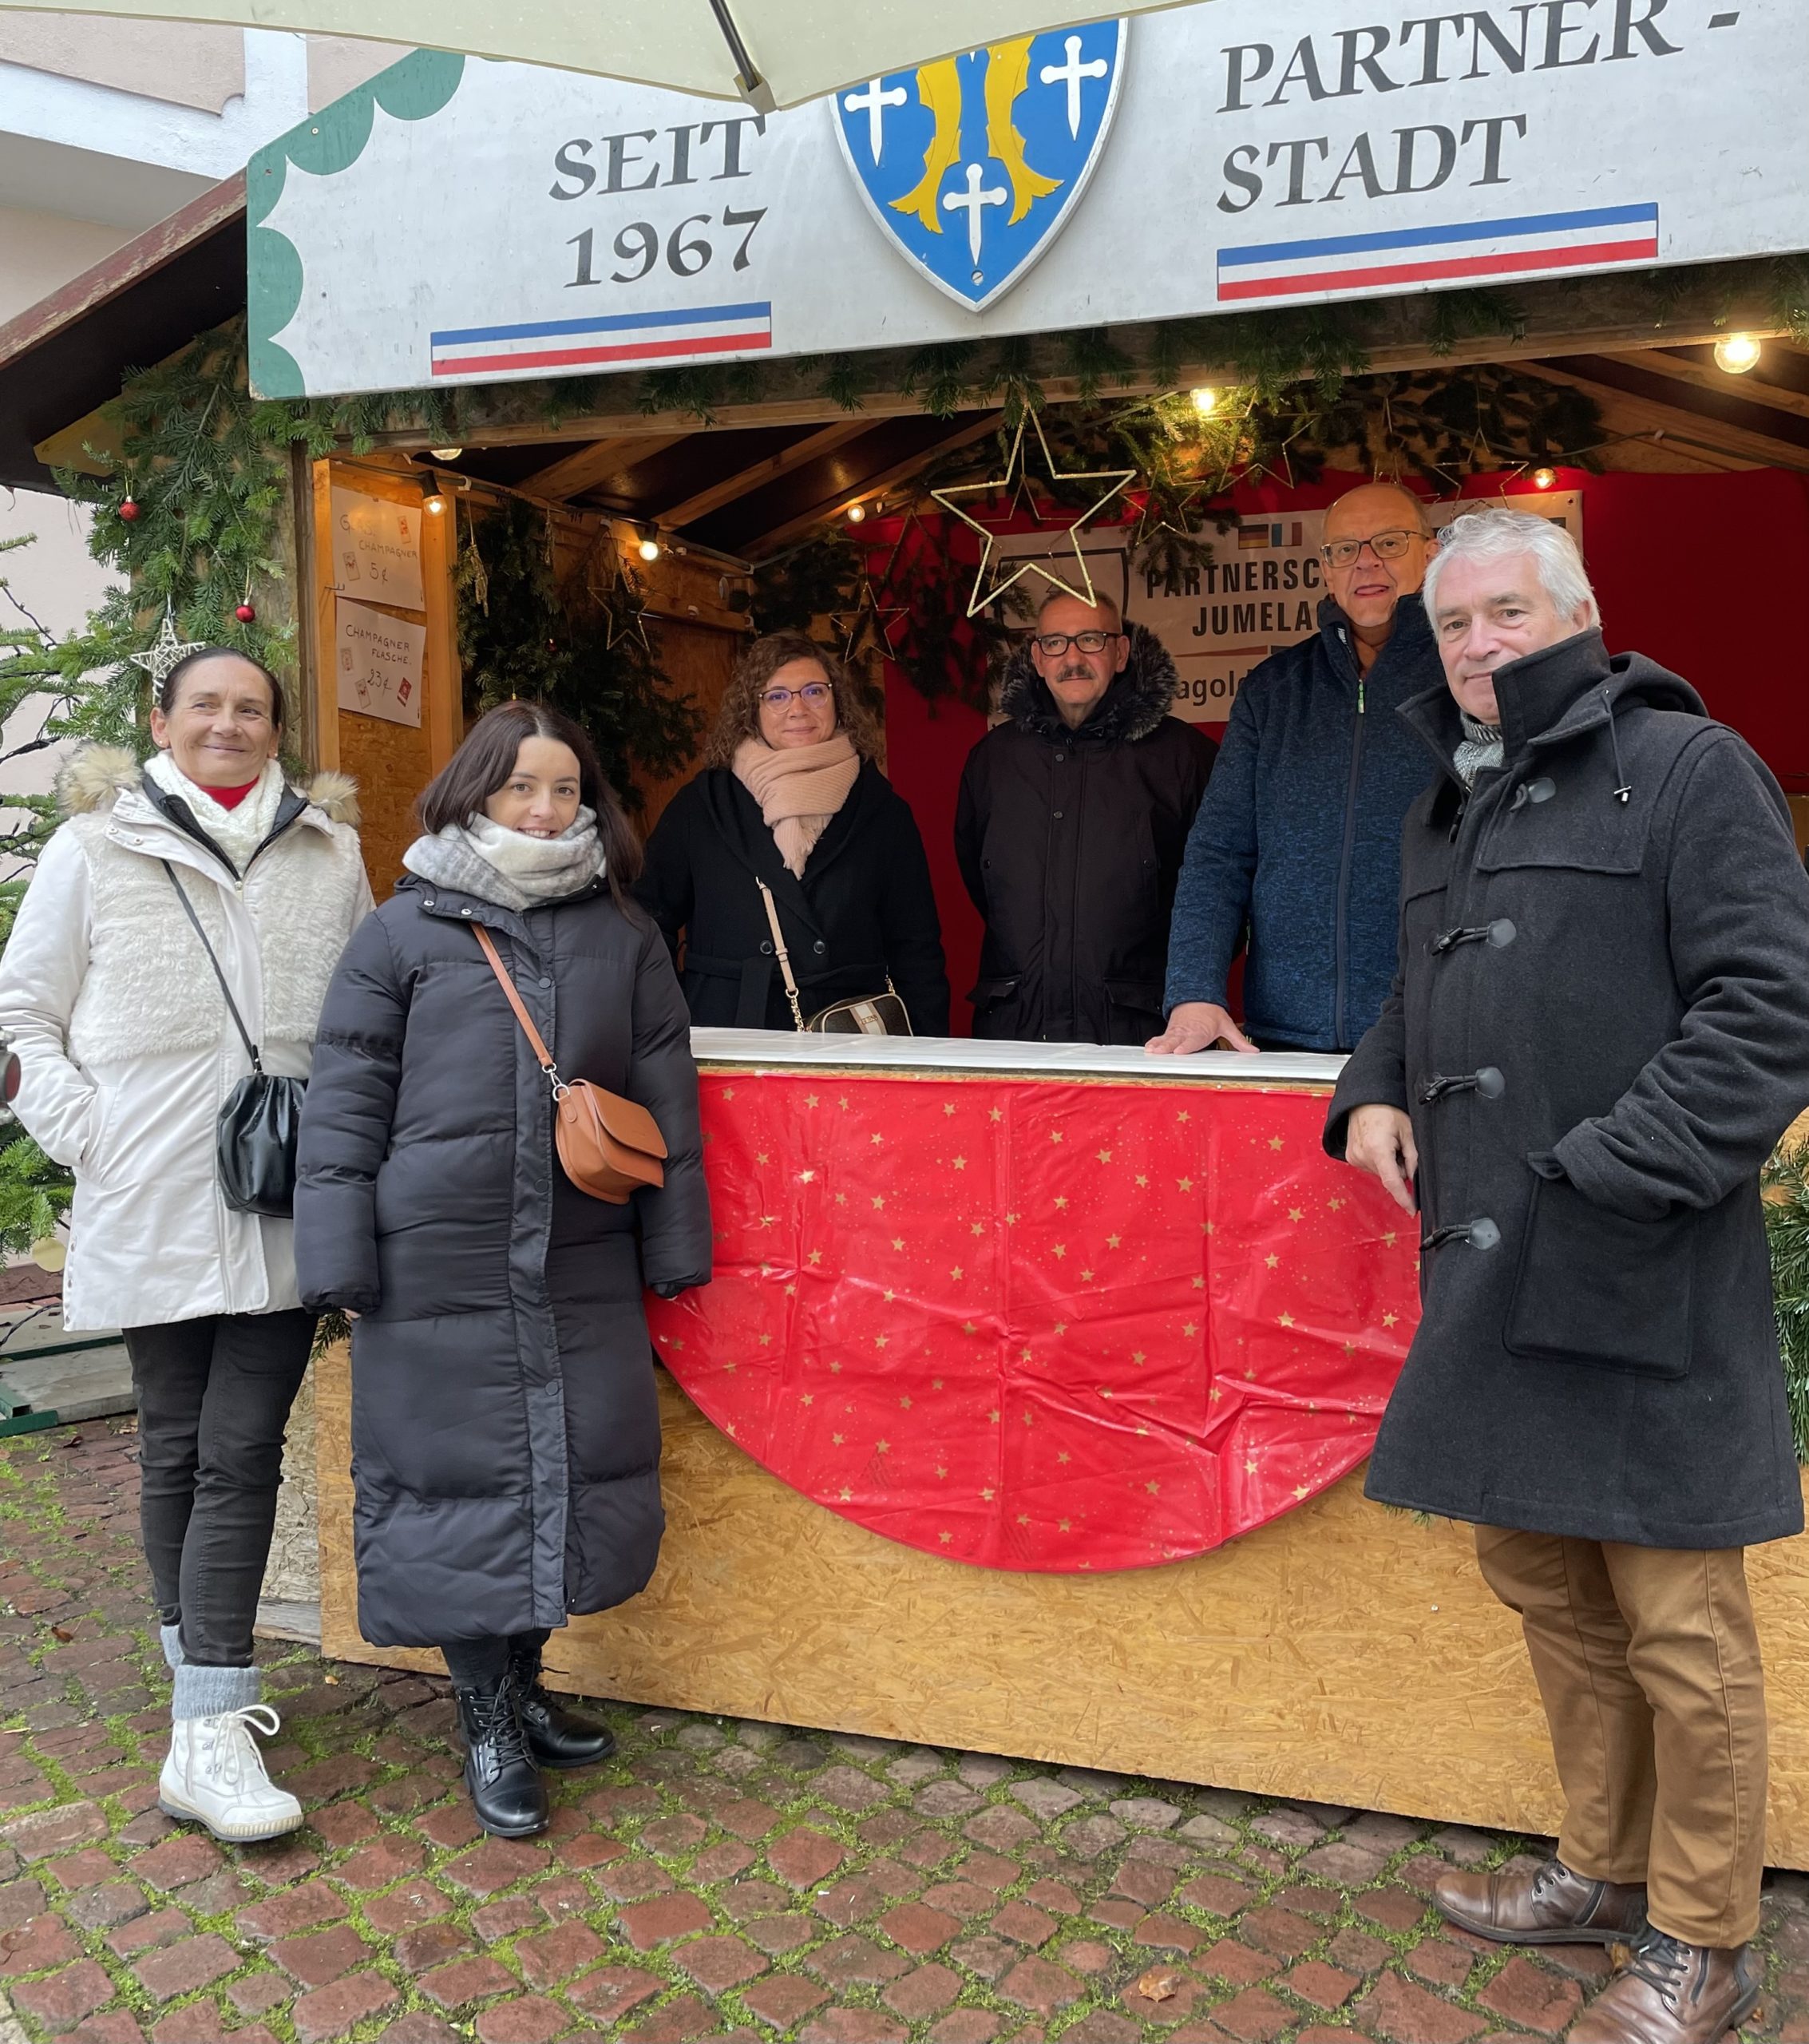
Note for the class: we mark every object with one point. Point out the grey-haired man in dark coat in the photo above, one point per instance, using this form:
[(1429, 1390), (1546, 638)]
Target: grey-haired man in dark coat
[(1599, 1028)]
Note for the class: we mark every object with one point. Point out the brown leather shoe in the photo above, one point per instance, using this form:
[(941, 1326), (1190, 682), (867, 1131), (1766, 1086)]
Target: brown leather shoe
[(1548, 1905), (1672, 1992)]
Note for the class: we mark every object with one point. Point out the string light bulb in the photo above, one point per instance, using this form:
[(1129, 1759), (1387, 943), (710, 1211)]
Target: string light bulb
[(648, 550), (445, 454), (434, 506), (856, 513), (1205, 401), (1736, 353), (1545, 478)]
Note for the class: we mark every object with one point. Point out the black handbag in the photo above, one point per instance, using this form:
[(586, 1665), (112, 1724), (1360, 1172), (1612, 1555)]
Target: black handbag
[(866, 1014), (255, 1147)]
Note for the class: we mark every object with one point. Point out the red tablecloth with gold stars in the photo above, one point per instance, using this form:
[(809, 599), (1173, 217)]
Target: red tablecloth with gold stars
[(1045, 1324)]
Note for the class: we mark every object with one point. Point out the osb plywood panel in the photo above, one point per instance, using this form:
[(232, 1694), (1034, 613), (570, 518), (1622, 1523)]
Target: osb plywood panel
[(1344, 1653), (391, 763), (696, 661)]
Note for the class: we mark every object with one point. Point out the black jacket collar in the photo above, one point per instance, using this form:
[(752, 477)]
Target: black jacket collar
[(1555, 695), (744, 831), (1130, 709)]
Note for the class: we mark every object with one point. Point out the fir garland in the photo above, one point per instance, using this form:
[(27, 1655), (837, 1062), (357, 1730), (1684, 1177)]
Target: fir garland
[(1785, 1189), (580, 645)]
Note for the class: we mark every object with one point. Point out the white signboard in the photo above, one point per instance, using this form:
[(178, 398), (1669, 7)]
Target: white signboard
[(1262, 591), (377, 659), (491, 220), (376, 548)]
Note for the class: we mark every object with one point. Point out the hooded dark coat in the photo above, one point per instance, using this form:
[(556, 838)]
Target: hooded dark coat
[(505, 1440), (1071, 842), (1599, 1027), (863, 911)]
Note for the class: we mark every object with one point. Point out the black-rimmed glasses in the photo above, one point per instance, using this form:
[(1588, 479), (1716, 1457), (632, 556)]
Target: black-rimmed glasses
[(1386, 546), (1056, 643)]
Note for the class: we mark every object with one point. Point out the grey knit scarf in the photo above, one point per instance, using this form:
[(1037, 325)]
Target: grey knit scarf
[(505, 866), (1480, 748)]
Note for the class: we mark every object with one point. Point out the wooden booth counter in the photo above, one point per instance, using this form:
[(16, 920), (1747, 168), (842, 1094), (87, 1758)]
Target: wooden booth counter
[(1026, 1413)]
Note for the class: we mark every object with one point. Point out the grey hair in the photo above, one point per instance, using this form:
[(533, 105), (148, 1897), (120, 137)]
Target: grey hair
[(1494, 532)]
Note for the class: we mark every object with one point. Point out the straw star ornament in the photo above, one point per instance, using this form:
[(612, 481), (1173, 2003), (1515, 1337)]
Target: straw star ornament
[(989, 584), (165, 650)]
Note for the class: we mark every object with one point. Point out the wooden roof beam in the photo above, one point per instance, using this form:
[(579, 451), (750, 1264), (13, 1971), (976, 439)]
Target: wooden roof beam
[(572, 474), (1726, 449), (677, 516), (962, 433), (1729, 418)]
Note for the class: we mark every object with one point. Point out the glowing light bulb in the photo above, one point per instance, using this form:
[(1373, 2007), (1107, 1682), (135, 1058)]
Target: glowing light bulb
[(1205, 401), (648, 550), (1736, 353), (1545, 478), (445, 454), (856, 513), (435, 505)]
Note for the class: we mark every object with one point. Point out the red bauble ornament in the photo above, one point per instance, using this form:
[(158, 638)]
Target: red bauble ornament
[(246, 611), (127, 510)]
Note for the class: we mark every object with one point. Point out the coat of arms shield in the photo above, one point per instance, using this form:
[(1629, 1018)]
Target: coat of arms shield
[(971, 164)]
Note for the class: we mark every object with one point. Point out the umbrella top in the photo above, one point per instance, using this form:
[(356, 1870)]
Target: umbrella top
[(770, 53)]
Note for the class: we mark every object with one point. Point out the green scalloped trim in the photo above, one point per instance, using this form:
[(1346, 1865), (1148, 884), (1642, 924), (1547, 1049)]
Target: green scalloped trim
[(421, 83)]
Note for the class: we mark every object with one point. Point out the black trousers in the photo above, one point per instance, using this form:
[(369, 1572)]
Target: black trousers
[(475, 1664), (214, 1395)]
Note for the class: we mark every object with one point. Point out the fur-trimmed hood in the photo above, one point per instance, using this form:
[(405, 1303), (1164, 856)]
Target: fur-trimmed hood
[(1132, 707), (96, 777)]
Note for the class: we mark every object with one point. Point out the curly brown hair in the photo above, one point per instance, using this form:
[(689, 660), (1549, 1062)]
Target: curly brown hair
[(739, 716)]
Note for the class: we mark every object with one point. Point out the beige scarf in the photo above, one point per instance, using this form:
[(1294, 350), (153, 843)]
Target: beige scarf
[(799, 788)]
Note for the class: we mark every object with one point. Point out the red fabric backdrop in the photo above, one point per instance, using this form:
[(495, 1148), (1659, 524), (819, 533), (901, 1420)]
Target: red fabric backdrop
[(1692, 570)]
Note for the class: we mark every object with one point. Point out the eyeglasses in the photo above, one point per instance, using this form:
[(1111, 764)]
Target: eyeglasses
[(815, 693), (1056, 643), (1385, 546)]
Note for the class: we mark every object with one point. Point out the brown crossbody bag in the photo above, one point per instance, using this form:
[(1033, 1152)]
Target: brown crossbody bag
[(610, 1146)]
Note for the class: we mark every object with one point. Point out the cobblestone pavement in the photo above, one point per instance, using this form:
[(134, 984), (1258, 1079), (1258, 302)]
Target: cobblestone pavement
[(715, 1879)]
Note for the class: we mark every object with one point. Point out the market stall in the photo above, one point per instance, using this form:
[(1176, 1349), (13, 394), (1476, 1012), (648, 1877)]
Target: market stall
[(1025, 1413), (570, 441)]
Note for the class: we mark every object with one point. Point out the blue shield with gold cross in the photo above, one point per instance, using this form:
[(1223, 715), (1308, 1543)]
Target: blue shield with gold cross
[(971, 164)]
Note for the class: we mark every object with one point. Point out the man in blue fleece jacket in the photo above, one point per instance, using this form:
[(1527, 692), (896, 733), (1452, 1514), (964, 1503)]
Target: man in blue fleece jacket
[(1297, 842)]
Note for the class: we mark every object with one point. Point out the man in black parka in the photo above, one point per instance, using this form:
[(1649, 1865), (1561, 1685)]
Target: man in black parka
[(1071, 830), (1599, 1028)]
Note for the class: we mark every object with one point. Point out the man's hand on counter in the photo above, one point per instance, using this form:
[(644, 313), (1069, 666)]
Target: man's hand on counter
[(1380, 1140), (1197, 1025)]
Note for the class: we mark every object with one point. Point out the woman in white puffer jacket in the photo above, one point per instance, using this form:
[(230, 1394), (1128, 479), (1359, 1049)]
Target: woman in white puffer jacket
[(128, 1053)]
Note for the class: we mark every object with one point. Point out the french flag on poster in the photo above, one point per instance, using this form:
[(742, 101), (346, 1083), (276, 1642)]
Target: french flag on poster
[(1471, 252), (607, 340)]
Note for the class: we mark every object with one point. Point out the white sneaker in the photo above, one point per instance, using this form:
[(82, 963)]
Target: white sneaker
[(215, 1775)]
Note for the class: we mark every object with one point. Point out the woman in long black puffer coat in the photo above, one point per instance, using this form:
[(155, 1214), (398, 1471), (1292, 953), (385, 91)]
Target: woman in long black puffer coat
[(789, 794), (506, 1439)]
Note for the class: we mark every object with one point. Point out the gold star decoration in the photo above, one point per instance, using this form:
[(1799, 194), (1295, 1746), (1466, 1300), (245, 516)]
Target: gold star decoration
[(989, 585), (870, 624), (166, 650)]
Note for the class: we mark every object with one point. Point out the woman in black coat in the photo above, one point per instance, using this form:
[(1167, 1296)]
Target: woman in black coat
[(505, 1436), (789, 794)]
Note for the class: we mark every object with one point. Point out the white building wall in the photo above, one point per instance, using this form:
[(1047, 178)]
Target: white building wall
[(106, 127)]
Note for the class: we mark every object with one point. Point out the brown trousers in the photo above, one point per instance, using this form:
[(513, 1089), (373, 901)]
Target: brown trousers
[(1648, 1666)]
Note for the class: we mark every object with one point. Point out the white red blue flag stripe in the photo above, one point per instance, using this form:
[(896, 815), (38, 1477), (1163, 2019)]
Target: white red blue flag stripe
[(613, 338), (1473, 250)]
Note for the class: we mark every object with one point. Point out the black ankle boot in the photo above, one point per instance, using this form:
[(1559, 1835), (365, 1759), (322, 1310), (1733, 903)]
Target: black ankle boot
[(501, 1776), (555, 1737)]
